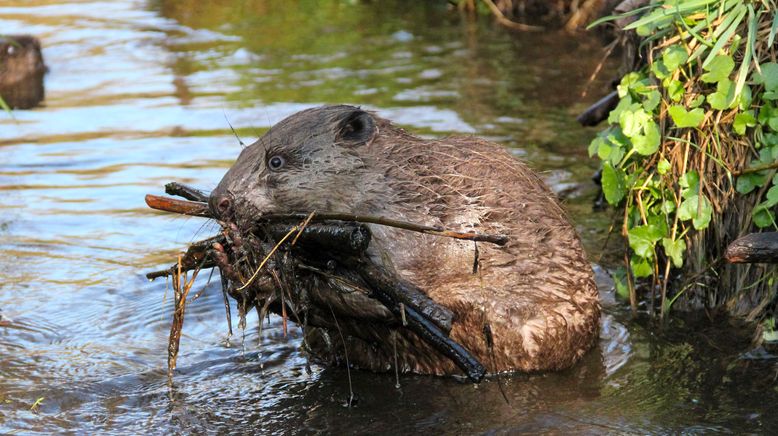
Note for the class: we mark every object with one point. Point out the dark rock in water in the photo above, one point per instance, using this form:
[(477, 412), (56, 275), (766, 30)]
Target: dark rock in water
[(21, 71)]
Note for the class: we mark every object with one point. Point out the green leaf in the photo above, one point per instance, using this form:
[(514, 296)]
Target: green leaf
[(652, 100), (744, 184), (641, 267), (724, 97), (633, 120), (763, 217), (675, 90), (624, 103), (690, 183), (698, 209), (768, 76), (613, 184), (674, 56), (718, 69), (748, 182), (635, 82), (667, 207), (771, 197), (660, 69), (620, 280), (643, 238), (742, 121), (697, 101), (649, 143), (674, 250), (594, 146), (610, 152), (682, 118), (766, 112), (663, 167)]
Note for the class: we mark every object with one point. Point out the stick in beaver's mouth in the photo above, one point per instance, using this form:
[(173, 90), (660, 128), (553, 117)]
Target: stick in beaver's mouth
[(422, 315)]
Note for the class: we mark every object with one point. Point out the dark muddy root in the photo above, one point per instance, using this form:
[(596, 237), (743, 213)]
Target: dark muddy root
[(281, 277)]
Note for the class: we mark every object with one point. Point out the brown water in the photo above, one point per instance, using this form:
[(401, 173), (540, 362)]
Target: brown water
[(138, 94)]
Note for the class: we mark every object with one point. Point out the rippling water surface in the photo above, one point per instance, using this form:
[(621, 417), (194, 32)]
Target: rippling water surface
[(139, 93)]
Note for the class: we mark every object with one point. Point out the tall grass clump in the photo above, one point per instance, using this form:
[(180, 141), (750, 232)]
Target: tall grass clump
[(690, 154)]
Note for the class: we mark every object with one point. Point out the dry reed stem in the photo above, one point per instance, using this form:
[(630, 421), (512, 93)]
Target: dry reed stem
[(178, 314)]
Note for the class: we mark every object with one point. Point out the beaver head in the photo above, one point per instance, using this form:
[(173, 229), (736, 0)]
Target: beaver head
[(21, 71), (309, 161)]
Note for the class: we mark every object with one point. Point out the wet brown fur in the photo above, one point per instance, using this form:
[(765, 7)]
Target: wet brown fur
[(536, 293)]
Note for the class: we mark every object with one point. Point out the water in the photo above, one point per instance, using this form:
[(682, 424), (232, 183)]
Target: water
[(139, 94)]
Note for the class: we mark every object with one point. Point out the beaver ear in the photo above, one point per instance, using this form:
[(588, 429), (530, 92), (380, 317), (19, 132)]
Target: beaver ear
[(355, 129)]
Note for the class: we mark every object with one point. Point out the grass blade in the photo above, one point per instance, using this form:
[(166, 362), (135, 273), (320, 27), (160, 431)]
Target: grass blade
[(726, 35), (667, 13), (724, 25), (773, 29), (607, 18), (749, 51)]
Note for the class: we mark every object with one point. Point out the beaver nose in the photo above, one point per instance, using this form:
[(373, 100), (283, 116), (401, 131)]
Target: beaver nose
[(220, 205)]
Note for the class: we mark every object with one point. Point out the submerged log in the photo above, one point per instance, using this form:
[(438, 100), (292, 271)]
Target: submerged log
[(754, 248), (599, 111), (21, 71)]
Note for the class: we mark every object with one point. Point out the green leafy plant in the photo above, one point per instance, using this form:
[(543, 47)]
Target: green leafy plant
[(694, 138)]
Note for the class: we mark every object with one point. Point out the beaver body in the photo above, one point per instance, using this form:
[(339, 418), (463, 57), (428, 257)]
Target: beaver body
[(530, 305)]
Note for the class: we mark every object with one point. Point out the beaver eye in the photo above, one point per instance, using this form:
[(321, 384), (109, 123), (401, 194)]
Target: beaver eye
[(276, 162)]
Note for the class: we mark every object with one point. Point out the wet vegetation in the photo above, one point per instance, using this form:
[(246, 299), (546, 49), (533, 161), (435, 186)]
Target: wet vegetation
[(691, 154)]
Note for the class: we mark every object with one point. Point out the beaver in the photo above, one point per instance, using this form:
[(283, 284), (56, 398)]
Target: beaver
[(21, 71), (529, 305)]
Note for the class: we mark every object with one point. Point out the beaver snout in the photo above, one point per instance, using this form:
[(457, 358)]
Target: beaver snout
[(220, 206)]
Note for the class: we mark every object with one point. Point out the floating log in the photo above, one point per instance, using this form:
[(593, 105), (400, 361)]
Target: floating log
[(754, 248), (21, 71)]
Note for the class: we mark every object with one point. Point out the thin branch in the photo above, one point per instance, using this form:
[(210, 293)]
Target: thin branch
[(757, 168), (183, 207), (180, 190), (366, 219)]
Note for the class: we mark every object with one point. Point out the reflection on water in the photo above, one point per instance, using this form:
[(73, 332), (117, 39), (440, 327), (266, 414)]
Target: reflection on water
[(139, 94)]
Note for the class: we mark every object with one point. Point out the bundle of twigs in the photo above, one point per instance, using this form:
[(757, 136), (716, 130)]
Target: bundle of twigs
[(260, 268)]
